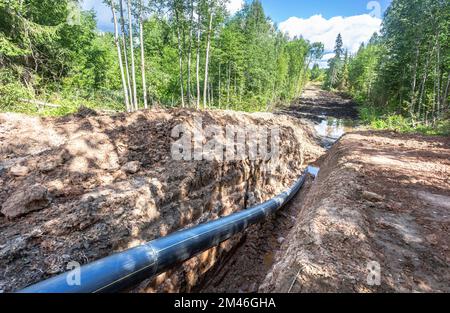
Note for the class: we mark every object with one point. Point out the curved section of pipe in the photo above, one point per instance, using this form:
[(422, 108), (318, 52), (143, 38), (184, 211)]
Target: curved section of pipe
[(128, 268)]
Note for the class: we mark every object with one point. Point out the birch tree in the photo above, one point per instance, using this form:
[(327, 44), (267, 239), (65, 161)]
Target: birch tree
[(208, 46), (133, 68), (119, 54), (197, 68), (125, 52), (141, 39), (191, 30), (177, 7)]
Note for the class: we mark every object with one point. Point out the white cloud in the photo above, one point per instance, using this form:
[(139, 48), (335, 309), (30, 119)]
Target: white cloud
[(234, 5), (354, 29), (104, 15)]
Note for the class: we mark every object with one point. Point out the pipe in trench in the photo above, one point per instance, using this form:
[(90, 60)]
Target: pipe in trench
[(130, 267)]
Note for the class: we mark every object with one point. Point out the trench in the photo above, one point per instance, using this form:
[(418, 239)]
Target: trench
[(245, 267), (238, 265)]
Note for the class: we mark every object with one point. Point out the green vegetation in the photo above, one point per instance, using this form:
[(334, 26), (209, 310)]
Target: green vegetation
[(45, 57), (191, 53), (194, 54), (401, 78)]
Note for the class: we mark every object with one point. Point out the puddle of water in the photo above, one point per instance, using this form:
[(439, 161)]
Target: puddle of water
[(331, 129)]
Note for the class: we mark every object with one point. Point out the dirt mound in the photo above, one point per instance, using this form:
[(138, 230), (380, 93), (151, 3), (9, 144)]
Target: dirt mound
[(81, 187), (378, 207)]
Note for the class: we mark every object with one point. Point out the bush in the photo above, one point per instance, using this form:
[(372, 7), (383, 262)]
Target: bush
[(11, 90), (376, 119)]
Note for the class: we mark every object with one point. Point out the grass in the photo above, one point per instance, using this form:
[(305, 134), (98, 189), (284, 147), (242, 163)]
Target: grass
[(376, 119), (66, 105)]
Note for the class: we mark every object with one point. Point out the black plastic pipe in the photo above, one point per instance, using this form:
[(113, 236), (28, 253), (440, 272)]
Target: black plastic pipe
[(128, 268)]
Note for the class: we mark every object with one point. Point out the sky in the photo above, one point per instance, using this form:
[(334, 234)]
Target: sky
[(315, 20)]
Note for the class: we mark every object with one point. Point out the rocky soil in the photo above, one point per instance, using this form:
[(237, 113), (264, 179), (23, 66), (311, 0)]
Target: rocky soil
[(82, 187)]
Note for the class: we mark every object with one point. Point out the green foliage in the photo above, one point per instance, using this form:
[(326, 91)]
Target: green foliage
[(317, 74), (11, 90), (403, 76), (377, 119), (252, 65)]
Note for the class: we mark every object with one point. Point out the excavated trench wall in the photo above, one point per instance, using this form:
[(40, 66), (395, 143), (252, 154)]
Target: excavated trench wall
[(82, 187)]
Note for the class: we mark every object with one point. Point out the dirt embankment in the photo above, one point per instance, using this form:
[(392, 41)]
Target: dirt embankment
[(380, 206), (245, 267), (79, 188)]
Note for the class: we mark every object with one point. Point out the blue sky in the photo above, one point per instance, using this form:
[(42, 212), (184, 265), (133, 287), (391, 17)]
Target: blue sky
[(281, 10), (315, 20)]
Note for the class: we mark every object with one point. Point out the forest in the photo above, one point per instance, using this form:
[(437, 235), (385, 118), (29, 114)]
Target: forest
[(184, 53), (192, 53), (401, 77)]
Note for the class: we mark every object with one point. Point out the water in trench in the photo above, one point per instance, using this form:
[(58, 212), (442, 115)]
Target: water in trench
[(329, 130)]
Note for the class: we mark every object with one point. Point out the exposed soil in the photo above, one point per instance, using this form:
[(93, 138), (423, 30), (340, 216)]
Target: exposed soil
[(380, 197), (82, 187), (85, 186), (245, 267), (316, 105)]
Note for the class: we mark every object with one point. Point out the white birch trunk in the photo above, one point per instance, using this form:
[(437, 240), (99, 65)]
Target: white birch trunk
[(124, 44), (133, 68), (208, 46), (119, 54), (180, 57), (198, 55), (141, 35)]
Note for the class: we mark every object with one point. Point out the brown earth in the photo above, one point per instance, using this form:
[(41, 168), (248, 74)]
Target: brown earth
[(82, 187), (382, 197), (316, 105)]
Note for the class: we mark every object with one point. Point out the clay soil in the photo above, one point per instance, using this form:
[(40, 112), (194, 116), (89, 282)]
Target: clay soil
[(381, 199), (82, 187)]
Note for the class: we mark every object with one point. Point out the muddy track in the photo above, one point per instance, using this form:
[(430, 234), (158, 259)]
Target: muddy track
[(316, 105)]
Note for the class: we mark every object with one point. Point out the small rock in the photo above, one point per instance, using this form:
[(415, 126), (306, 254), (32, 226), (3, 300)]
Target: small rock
[(432, 239), (280, 240), (19, 170), (48, 166), (132, 167), (371, 196), (25, 200)]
